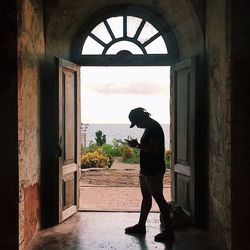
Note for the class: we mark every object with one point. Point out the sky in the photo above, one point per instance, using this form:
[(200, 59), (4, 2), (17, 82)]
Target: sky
[(109, 93)]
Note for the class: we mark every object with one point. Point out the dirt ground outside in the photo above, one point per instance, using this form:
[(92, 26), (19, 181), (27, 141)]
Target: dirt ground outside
[(115, 189), (119, 175)]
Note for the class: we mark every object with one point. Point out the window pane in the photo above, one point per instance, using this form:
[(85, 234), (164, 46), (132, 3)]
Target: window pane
[(158, 46), (116, 25), (102, 33), (124, 45), (91, 47), (133, 24), (147, 32)]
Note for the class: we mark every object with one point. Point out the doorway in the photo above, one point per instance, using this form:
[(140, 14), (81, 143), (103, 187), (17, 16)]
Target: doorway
[(107, 96)]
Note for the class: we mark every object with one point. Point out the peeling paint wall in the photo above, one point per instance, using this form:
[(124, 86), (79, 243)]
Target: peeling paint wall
[(31, 50), (219, 125)]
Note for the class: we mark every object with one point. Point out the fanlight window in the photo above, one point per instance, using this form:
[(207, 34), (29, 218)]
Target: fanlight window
[(127, 34)]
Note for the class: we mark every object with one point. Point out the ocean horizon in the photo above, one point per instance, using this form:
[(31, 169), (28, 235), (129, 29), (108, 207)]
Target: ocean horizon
[(119, 131)]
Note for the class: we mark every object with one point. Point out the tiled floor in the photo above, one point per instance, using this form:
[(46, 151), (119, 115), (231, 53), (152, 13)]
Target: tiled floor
[(102, 230), (105, 231)]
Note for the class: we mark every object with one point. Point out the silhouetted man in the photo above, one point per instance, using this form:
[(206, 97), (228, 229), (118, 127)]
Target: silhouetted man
[(152, 169)]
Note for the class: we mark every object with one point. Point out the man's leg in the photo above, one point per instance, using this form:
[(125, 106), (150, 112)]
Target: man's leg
[(165, 212), (164, 209), (146, 205)]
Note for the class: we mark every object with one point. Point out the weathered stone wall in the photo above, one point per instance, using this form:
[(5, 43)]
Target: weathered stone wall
[(240, 47), (8, 127), (31, 49), (219, 121)]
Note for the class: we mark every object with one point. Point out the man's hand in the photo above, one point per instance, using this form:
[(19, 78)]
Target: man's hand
[(132, 143)]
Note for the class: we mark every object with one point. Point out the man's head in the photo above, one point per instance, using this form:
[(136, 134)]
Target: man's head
[(138, 116)]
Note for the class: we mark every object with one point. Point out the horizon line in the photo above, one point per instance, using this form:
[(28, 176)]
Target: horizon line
[(117, 123)]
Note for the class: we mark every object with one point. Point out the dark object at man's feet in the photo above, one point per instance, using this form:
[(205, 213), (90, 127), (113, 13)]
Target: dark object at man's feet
[(136, 229), (165, 236)]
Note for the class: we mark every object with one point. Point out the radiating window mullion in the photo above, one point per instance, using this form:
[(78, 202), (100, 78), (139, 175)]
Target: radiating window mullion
[(97, 39), (109, 29), (151, 39), (125, 24), (122, 28), (139, 29)]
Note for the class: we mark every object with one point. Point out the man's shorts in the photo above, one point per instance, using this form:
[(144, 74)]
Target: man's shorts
[(151, 183)]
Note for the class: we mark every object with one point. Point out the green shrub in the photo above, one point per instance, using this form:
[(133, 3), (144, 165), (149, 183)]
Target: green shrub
[(96, 159), (129, 155), (110, 150), (116, 146), (91, 155), (167, 158), (100, 138), (107, 150), (134, 158), (92, 148)]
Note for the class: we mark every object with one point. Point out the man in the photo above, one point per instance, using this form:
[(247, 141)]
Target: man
[(152, 169)]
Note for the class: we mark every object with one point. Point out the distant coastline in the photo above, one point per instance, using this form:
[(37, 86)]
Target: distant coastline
[(119, 131)]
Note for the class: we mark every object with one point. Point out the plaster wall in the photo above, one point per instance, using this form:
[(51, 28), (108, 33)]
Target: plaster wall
[(31, 49), (219, 117)]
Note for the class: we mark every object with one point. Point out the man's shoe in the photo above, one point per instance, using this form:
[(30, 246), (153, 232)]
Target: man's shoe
[(136, 229), (165, 236)]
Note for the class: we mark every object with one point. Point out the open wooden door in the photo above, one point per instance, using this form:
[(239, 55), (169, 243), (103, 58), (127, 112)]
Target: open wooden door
[(69, 137), (183, 85)]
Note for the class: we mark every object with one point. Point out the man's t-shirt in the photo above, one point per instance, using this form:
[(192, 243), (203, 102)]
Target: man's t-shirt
[(153, 164)]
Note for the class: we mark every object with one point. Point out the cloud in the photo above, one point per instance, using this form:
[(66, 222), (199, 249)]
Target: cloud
[(131, 88)]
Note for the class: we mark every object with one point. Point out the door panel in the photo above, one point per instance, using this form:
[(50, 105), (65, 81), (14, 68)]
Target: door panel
[(68, 116), (69, 137), (182, 112), (183, 80), (183, 190)]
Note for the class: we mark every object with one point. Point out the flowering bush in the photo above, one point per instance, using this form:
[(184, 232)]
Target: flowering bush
[(94, 155), (126, 152), (168, 153), (96, 159)]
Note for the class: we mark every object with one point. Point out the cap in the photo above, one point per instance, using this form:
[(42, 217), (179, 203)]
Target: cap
[(136, 115)]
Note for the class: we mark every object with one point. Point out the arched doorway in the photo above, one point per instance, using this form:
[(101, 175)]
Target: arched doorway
[(133, 35), (183, 161), (124, 37)]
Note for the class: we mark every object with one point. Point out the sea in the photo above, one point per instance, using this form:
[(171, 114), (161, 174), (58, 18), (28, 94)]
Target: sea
[(119, 131)]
